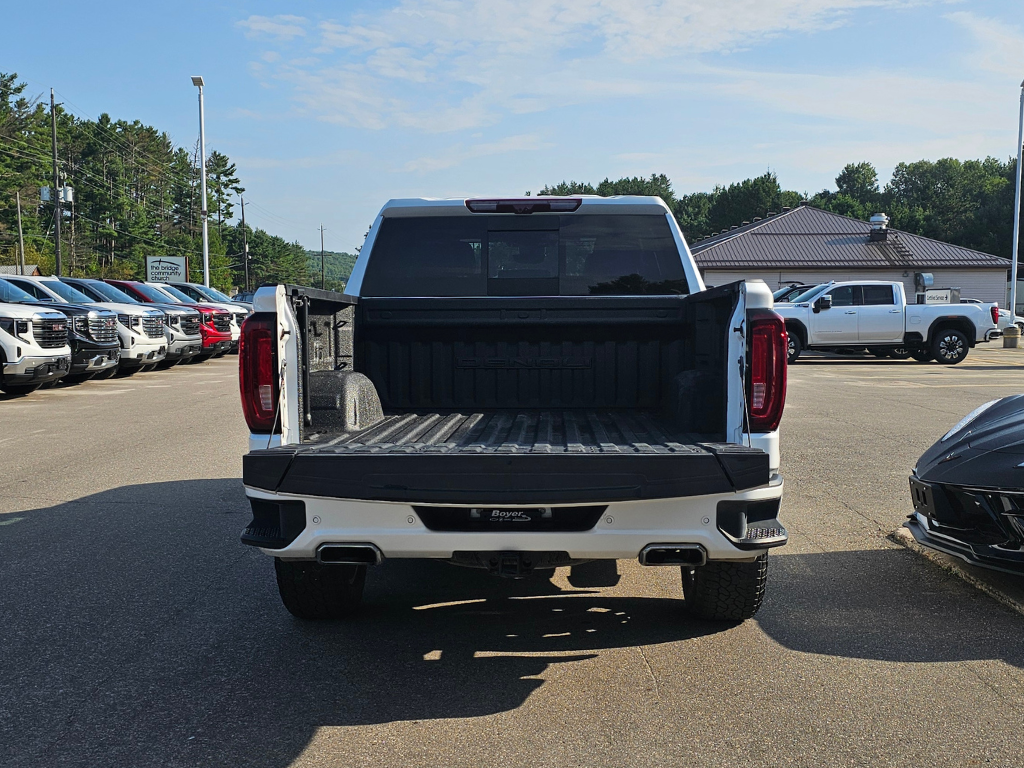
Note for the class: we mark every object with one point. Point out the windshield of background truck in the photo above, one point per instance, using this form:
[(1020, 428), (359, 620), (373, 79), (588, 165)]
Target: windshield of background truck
[(153, 294), (213, 294), (110, 293), (536, 255), (12, 294), (180, 297), (66, 292), (810, 294)]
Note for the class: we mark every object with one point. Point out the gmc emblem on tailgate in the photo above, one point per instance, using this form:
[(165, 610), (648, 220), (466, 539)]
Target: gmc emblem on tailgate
[(524, 362)]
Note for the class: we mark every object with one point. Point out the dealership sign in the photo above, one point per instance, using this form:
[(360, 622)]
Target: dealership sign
[(167, 269)]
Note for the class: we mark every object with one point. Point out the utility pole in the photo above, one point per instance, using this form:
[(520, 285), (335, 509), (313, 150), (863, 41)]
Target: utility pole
[(57, 212), (245, 245), (198, 82), (1016, 211), (322, 271), (21, 237)]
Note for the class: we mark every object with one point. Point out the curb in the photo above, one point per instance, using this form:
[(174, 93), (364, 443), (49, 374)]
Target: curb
[(979, 578)]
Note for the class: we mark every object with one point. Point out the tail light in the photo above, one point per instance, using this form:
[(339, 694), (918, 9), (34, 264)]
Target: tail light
[(257, 372), (766, 377), (995, 313)]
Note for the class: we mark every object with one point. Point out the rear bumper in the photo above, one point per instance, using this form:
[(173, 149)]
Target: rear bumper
[(41, 368), (994, 333), (621, 531)]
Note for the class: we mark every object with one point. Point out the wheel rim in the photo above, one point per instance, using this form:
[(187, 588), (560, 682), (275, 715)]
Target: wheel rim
[(951, 347), (792, 347)]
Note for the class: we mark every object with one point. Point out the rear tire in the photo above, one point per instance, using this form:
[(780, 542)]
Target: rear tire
[(950, 346), (795, 347), (107, 374), (878, 351), (899, 353), (312, 591), (725, 591)]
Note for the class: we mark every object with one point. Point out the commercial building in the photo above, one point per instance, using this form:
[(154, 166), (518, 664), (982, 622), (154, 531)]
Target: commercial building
[(809, 245)]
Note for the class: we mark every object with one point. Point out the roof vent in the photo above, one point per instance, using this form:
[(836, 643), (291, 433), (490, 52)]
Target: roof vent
[(733, 226), (770, 214), (879, 228), (786, 209), (757, 218), (804, 203)]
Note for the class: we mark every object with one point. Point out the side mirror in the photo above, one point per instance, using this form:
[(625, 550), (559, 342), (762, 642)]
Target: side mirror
[(825, 302)]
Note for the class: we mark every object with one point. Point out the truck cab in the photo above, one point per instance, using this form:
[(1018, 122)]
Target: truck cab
[(516, 385), (874, 314)]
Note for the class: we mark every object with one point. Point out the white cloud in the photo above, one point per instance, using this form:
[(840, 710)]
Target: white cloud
[(282, 27), (459, 154), (443, 65), (1000, 47)]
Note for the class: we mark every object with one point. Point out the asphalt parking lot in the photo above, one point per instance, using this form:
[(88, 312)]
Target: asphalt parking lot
[(138, 631)]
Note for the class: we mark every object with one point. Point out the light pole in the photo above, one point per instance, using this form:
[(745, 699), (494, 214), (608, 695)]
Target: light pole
[(198, 83), (1016, 210)]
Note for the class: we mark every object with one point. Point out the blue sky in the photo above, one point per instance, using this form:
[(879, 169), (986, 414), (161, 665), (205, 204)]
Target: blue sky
[(330, 109)]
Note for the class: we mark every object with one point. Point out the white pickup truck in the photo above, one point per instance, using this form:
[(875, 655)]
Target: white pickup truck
[(875, 315), (516, 385), (33, 344)]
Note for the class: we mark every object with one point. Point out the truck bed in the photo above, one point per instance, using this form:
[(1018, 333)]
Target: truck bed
[(509, 457), (531, 431)]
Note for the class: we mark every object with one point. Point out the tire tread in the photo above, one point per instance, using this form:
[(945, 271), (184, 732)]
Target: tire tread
[(313, 591), (726, 591)]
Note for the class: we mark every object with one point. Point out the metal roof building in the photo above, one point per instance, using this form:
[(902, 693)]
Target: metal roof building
[(809, 245), (30, 269)]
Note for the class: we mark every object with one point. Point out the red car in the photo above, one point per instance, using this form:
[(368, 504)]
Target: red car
[(214, 326)]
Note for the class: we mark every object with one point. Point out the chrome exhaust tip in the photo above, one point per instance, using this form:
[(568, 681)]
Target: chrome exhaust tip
[(349, 554), (673, 554)]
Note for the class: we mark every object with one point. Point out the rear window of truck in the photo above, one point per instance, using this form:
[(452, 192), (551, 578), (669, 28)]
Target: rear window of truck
[(539, 255)]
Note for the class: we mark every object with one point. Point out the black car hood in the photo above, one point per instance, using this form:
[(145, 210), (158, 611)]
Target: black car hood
[(985, 453), (68, 309)]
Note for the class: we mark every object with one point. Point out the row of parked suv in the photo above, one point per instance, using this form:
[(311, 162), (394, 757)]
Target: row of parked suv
[(83, 328)]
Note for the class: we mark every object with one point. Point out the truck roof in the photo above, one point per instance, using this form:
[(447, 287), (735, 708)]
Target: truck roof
[(460, 206)]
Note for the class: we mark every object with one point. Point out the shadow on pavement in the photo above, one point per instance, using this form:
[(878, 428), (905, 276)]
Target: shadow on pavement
[(885, 604), (137, 631)]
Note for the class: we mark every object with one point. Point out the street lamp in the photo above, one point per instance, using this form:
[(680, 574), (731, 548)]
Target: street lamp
[(1016, 210), (198, 83)]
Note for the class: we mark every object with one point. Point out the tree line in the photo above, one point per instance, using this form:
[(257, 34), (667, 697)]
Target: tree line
[(135, 194), (964, 202)]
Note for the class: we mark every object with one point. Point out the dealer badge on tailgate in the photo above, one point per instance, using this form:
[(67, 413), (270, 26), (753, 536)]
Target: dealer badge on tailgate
[(510, 515)]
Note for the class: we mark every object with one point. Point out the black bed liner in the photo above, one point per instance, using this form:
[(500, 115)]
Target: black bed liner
[(534, 431), (509, 457)]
